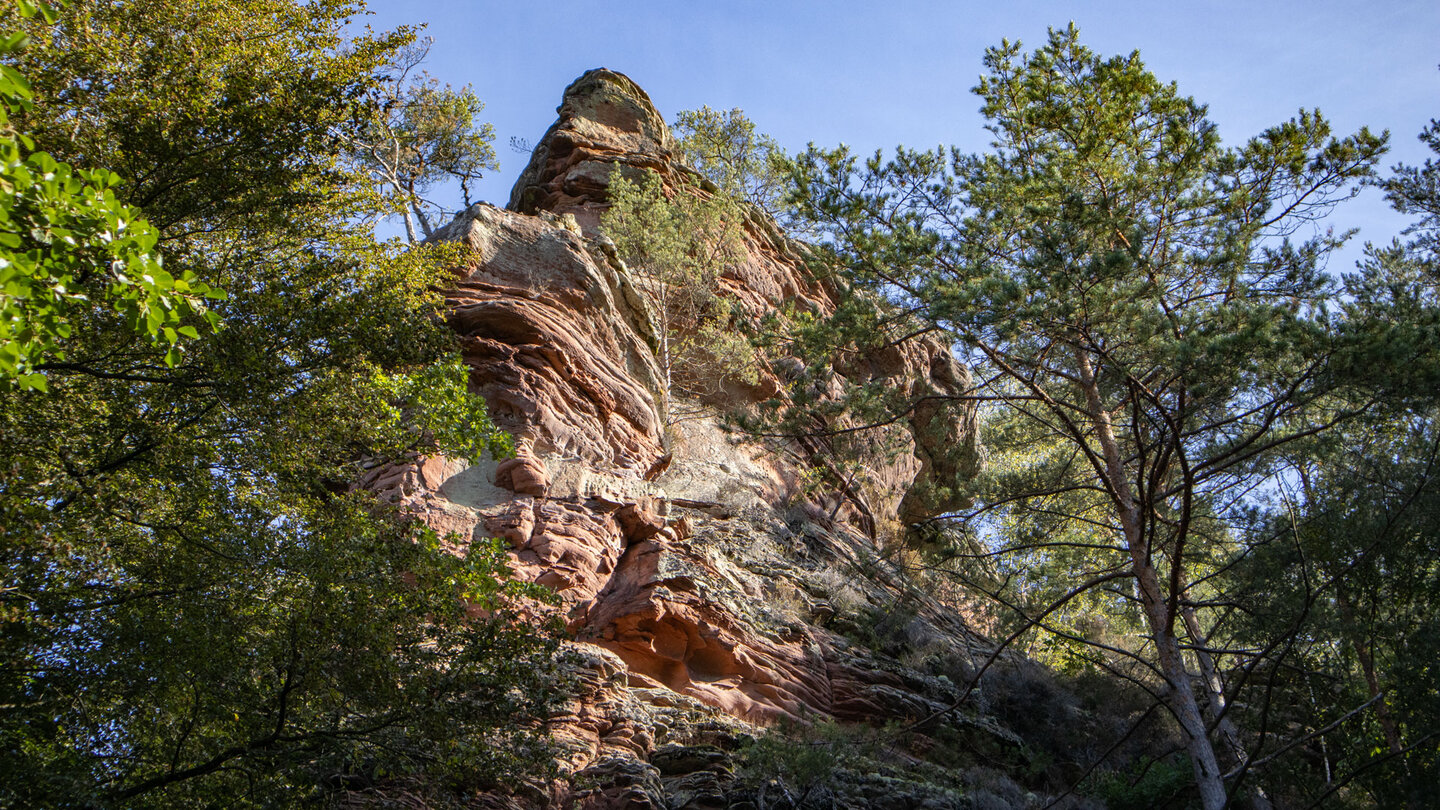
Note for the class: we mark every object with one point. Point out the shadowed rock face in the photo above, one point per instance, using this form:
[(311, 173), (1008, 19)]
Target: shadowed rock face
[(700, 599)]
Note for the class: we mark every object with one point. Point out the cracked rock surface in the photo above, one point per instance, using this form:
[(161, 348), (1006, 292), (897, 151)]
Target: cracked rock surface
[(707, 587)]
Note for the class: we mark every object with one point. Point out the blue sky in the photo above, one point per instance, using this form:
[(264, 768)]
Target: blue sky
[(877, 74)]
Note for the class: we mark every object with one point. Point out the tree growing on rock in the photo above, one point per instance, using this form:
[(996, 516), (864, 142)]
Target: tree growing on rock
[(1148, 303), (680, 243), (419, 133), (726, 149)]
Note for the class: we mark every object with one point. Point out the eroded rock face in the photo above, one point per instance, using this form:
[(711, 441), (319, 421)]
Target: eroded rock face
[(698, 573), (557, 339), (604, 119)]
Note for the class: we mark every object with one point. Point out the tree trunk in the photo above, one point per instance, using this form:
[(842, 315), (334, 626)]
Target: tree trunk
[(409, 227), (1179, 697), (1215, 705), (420, 215), (666, 361)]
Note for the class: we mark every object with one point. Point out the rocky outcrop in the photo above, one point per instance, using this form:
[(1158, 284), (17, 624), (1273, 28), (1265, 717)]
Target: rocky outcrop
[(711, 591), (605, 121)]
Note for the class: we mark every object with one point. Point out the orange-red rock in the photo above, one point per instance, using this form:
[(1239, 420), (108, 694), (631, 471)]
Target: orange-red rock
[(682, 555)]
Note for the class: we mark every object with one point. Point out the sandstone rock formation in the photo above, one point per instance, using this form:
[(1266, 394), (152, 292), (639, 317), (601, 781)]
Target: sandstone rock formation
[(710, 594)]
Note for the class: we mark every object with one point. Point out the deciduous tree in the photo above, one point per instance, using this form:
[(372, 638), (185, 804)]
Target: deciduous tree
[(69, 244), (200, 604), (418, 133)]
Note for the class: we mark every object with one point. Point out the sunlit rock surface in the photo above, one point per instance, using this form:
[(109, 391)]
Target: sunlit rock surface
[(710, 592)]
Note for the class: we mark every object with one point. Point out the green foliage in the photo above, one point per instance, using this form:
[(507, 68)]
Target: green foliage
[(681, 243), (803, 761), (1353, 557), (1355, 561), (67, 241), (258, 655), (1143, 310), (218, 113), (202, 605), (1415, 190), (1393, 301), (419, 133), (434, 405), (1165, 783), (725, 148)]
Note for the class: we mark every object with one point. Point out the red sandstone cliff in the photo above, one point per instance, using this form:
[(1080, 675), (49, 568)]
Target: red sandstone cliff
[(722, 596)]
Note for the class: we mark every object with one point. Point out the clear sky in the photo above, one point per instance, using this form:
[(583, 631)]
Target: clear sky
[(877, 74)]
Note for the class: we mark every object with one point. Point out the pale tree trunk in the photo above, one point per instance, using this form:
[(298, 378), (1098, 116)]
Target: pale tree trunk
[(1179, 695), (420, 216), (409, 226), (398, 185), (666, 361), (1215, 705)]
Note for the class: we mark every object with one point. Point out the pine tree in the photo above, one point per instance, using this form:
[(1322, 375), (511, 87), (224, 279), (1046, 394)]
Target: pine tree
[(1150, 303), (726, 149)]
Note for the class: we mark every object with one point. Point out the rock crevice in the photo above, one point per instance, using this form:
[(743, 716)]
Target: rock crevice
[(685, 556)]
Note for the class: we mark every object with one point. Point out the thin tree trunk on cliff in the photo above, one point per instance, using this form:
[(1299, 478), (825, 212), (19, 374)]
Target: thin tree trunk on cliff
[(666, 363)]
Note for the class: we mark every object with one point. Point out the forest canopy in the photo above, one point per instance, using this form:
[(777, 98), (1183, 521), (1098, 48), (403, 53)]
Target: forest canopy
[(1211, 457), (206, 350)]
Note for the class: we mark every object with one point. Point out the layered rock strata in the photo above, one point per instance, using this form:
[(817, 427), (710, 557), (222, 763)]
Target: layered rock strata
[(706, 585)]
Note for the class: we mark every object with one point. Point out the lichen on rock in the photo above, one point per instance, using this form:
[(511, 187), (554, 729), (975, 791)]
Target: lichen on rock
[(700, 580)]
